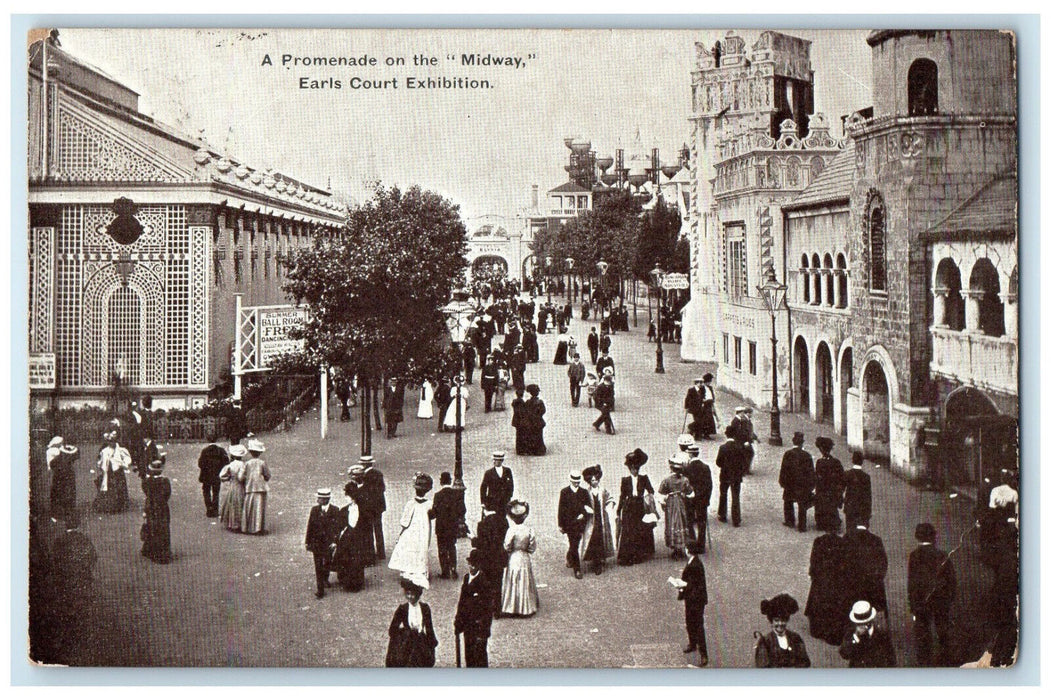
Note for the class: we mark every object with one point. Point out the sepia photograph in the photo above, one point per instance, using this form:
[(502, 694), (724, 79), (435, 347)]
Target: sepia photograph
[(523, 348)]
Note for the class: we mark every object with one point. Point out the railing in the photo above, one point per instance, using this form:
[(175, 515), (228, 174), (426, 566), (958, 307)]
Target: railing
[(984, 361)]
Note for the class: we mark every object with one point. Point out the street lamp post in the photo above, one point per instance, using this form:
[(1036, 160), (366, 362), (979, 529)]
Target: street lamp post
[(774, 297), (547, 277), (602, 267), (458, 314), (569, 279), (658, 278)]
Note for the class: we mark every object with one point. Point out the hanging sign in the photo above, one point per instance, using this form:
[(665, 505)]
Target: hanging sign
[(675, 280)]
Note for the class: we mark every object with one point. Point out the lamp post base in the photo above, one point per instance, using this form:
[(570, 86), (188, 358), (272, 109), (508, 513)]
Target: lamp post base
[(659, 369), (775, 428)]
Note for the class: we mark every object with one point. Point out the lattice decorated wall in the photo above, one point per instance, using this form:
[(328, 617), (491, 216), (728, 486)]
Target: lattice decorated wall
[(104, 307)]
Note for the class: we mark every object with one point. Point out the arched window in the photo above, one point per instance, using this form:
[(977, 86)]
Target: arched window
[(923, 88), (841, 279), (815, 263), (805, 275), (876, 230), (830, 291), (947, 285), (817, 166), (985, 288)]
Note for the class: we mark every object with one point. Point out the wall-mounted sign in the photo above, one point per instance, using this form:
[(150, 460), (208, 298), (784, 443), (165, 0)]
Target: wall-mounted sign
[(675, 280), (42, 370)]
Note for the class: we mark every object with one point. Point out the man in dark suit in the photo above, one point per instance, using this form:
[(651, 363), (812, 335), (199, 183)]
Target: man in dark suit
[(470, 357), (865, 556), (605, 343), (603, 400), (593, 345), (490, 542), (323, 528), (517, 366), (694, 405), (449, 510), (444, 398), (490, 379), (797, 479), (571, 519), (604, 362), (744, 432), (372, 504), (932, 589), (731, 460), (498, 485), (699, 475), (474, 613), (695, 597), (866, 646), (211, 461), (857, 493)]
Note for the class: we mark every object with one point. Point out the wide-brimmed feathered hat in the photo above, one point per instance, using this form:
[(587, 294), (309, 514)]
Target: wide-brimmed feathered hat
[(238, 451), (518, 510), (782, 606), (636, 458), (824, 443), (594, 470)]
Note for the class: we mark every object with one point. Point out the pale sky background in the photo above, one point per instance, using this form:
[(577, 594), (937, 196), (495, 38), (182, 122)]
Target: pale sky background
[(482, 149)]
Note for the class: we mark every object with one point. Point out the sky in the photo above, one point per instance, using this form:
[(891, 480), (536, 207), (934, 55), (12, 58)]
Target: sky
[(481, 148)]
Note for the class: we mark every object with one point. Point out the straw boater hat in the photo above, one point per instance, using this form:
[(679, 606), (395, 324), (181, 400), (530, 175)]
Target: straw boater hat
[(255, 445), (862, 612), (365, 461), (324, 493), (636, 458), (157, 466), (782, 606), (238, 451), (685, 440), (698, 380), (356, 471), (575, 476), (676, 462), (694, 449), (741, 409), (68, 449), (499, 456)]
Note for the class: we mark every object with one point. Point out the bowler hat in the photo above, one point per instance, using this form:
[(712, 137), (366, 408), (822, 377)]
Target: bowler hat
[(925, 532), (862, 612), (635, 458), (476, 557)]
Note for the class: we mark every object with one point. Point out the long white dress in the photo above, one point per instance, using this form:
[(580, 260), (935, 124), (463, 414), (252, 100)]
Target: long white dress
[(519, 594), (450, 415), (426, 409), (411, 554)]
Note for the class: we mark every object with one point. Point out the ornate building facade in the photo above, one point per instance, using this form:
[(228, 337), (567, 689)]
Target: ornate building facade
[(899, 253), (140, 237)]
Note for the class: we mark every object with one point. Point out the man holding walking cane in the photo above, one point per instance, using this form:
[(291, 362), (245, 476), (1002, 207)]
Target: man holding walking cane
[(699, 475), (474, 615)]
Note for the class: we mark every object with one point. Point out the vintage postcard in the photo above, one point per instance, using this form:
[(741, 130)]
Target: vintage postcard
[(523, 348)]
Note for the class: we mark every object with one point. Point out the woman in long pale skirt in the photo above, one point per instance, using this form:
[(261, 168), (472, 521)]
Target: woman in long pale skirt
[(256, 474), (112, 481), (519, 594), (233, 502), (426, 409), (459, 394), (411, 554), (675, 489)]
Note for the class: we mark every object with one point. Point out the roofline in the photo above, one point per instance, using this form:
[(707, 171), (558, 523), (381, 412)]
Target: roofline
[(821, 202)]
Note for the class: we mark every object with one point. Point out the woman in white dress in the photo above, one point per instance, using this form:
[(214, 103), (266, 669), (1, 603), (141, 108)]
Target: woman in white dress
[(519, 594), (411, 554), (459, 394), (426, 409), (111, 482), (233, 474)]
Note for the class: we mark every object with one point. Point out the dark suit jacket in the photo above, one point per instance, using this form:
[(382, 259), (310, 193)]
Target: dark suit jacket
[(872, 651), (931, 580), (496, 491), (732, 460), (448, 510), (490, 539), (865, 564), (797, 475), (212, 460), (604, 343), (693, 402), (593, 341), (699, 475), (570, 505), (696, 591), (474, 611), (603, 396), (742, 430), (323, 529), (857, 494), (373, 499), (603, 363)]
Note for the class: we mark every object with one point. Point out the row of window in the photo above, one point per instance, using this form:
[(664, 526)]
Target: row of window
[(738, 348), (983, 292), (821, 283)]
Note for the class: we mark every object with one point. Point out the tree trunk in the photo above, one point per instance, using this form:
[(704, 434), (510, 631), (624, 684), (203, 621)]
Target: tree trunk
[(376, 409), (366, 434)]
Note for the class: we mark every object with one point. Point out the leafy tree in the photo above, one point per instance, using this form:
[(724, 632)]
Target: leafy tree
[(375, 292), (659, 242)]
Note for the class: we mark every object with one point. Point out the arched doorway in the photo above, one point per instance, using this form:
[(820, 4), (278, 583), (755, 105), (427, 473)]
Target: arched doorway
[(488, 263), (846, 381), (824, 388), (801, 374), (977, 441), (875, 407)]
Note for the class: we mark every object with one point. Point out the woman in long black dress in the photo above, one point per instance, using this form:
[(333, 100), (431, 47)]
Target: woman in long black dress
[(519, 422), (63, 482), (825, 605), (828, 486), (636, 535), (111, 482), (351, 545), (156, 531), (534, 416), (411, 631)]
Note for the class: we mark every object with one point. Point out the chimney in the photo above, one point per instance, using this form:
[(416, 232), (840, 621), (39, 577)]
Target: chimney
[(536, 197)]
